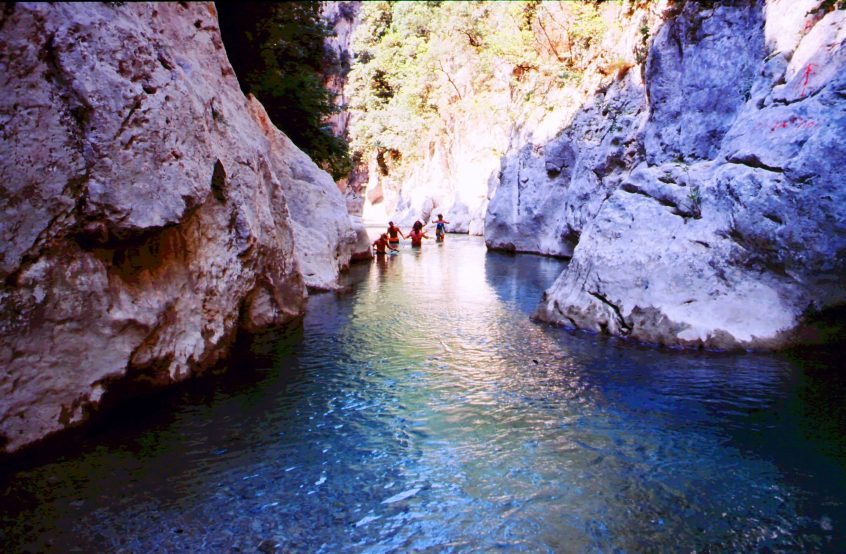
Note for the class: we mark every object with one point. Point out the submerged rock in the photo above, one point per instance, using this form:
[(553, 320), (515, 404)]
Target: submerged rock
[(150, 209), (714, 217)]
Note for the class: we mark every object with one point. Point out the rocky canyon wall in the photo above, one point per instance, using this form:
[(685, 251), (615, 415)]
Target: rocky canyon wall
[(150, 210), (550, 185), (452, 179), (523, 106), (450, 166), (700, 196), (457, 174), (342, 17)]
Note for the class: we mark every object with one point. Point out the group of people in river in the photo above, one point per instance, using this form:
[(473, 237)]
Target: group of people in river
[(389, 241)]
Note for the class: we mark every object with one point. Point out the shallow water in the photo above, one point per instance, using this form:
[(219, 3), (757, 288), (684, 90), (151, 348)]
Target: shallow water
[(424, 411)]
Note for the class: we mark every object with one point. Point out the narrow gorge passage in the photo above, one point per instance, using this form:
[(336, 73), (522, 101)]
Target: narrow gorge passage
[(425, 411)]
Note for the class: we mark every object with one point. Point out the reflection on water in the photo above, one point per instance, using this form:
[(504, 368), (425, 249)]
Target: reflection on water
[(425, 411)]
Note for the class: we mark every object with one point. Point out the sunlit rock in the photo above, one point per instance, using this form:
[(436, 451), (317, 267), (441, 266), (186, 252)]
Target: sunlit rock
[(145, 209), (722, 226), (548, 189), (323, 232), (451, 165), (362, 249)]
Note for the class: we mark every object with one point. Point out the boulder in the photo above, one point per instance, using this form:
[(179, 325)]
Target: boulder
[(546, 193), (150, 211), (362, 251), (323, 232)]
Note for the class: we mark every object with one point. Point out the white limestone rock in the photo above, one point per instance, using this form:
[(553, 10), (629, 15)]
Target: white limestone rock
[(545, 194), (453, 180), (549, 187), (323, 232), (145, 209), (363, 249), (726, 231)]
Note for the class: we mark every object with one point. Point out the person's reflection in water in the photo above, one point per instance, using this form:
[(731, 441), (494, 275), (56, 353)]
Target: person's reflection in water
[(382, 264)]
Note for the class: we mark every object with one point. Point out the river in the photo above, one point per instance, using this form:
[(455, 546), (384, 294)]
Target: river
[(425, 411)]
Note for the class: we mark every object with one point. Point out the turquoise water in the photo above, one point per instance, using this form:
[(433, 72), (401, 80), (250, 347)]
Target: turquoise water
[(424, 411)]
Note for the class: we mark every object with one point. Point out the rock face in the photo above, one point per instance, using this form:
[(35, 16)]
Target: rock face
[(323, 231), (495, 101), (701, 203), (456, 177), (452, 180), (342, 17), (150, 210), (548, 190)]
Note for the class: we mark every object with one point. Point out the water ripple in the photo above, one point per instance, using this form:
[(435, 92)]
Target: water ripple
[(426, 412)]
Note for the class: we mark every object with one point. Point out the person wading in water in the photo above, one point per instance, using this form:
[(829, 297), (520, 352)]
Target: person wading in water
[(381, 243), (440, 228), (394, 234), (417, 235)]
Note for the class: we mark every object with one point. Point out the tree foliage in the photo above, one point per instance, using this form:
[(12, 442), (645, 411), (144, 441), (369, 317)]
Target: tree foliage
[(421, 66), (277, 51)]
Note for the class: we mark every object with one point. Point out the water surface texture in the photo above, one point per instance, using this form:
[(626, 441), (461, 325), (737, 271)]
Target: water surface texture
[(424, 411)]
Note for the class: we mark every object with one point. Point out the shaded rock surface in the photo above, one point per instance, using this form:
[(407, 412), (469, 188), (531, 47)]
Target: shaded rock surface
[(323, 231), (342, 17), (700, 198), (148, 208), (454, 170), (548, 189)]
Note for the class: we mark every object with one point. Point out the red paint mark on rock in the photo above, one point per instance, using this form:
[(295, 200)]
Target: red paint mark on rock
[(793, 122), (809, 69)]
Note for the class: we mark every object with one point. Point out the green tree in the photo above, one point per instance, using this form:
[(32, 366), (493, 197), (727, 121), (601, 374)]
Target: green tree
[(422, 66), (277, 51)]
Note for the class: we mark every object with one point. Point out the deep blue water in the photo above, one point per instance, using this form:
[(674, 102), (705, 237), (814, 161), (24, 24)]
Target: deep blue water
[(424, 411)]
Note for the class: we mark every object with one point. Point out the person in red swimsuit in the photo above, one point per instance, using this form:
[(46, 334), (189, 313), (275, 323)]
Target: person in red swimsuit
[(416, 234)]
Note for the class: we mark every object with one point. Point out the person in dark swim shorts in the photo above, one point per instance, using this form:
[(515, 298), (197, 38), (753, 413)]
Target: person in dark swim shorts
[(394, 233)]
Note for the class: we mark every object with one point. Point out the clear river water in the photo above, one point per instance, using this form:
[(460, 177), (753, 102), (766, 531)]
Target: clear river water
[(424, 411)]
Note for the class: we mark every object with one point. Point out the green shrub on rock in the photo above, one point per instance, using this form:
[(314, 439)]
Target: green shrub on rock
[(277, 51)]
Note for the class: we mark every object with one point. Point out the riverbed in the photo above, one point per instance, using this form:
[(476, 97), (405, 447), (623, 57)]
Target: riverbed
[(423, 410)]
